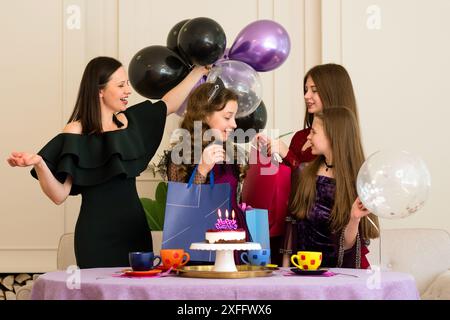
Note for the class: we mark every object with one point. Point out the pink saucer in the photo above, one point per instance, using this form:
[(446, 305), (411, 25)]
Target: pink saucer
[(149, 273)]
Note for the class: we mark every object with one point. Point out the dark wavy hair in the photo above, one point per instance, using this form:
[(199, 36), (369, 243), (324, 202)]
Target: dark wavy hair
[(201, 105)]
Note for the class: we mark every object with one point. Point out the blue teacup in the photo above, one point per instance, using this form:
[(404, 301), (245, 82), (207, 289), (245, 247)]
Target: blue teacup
[(256, 257), (143, 261)]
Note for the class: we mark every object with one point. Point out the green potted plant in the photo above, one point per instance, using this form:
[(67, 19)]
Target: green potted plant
[(155, 208), (154, 212)]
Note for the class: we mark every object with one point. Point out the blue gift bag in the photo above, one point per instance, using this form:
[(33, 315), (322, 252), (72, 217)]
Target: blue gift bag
[(258, 226), (191, 209)]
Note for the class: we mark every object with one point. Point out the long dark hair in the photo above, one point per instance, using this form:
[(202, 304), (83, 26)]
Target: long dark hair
[(87, 107), (334, 86)]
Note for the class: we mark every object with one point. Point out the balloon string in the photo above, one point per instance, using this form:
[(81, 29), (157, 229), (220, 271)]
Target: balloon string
[(373, 223), (379, 232)]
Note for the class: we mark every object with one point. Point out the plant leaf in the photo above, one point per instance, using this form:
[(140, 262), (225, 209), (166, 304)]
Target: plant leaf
[(161, 192), (150, 208)]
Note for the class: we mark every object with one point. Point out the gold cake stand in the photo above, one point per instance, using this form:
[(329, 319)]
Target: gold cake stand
[(224, 266), (224, 253), (244, 271)]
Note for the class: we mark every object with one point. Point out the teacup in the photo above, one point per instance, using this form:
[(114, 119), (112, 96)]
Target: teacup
[(174, 258), (307, 260), (143, 261), (256, 257)]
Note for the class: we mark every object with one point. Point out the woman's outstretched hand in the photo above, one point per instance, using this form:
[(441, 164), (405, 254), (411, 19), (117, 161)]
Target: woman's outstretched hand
[(203, 70), (23, 159)]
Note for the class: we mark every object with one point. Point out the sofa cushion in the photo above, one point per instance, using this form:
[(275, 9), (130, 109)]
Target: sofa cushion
[(439, 288), (424, 253)]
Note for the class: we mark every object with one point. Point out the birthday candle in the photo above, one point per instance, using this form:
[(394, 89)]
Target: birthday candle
[(232, 214), (226, 214)]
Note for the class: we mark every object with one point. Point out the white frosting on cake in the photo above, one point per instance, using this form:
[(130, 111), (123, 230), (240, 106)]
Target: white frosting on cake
[(226, 236)]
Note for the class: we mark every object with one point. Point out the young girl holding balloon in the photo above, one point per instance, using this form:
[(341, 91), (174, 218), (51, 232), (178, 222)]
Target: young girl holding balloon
[(326, 213)]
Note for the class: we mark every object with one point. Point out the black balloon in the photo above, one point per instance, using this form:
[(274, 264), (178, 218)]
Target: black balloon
[(256, 120), (202, 41), (172, 37), (155, 70)]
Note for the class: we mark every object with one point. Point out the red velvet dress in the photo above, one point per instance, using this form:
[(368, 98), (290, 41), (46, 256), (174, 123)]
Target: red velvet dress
[(295, 154)]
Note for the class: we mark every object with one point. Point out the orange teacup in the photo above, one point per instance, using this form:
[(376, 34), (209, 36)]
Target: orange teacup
[(174, 258)]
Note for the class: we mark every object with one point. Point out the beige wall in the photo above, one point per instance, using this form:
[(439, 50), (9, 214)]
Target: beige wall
[(398, 72), (397, 54), (42, 62)]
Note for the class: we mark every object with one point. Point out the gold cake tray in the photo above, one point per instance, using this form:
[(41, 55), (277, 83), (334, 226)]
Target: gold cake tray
[(244, 271)]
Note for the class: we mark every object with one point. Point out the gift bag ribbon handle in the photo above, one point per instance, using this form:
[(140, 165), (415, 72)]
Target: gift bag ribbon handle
[(191, 179)]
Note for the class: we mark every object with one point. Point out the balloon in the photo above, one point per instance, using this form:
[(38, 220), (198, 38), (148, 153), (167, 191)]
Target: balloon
[(263, 44), (243, 80), (393, 184), (172, 37), (202, 41), (155, 70), (256, 120), (224, 57), (182, 109)]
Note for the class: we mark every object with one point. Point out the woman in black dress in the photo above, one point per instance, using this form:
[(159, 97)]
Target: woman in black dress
[(102, 149)]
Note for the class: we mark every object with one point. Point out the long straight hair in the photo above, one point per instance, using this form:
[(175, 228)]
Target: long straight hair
[(342, 130), (87, 107), (334, 86)]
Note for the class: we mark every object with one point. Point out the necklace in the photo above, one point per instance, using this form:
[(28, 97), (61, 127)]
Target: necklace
[(328, 166)]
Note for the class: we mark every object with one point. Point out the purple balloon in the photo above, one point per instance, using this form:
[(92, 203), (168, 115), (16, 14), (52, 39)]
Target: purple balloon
[(263, 44), (182, 109)]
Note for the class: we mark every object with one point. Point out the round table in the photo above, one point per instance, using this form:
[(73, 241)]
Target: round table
[(106, 283)]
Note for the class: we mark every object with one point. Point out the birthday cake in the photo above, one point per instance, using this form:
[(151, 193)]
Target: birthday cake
[(226, 231)]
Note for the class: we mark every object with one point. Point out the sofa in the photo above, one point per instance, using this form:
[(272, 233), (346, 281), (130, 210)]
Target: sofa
[(423, 253)]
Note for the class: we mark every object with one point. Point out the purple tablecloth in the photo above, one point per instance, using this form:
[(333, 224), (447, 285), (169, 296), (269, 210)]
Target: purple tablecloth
[(105, 283)]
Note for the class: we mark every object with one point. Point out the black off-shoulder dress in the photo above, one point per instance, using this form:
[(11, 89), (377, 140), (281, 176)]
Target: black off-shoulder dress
[(104, 167)]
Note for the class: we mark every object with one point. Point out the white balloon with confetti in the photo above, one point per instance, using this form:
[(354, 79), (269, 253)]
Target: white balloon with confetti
[(393, 184)]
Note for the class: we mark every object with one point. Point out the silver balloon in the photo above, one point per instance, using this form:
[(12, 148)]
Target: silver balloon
[(243, 80), (393, 184)]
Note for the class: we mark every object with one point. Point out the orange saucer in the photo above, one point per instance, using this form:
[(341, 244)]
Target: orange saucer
[(148, 273)]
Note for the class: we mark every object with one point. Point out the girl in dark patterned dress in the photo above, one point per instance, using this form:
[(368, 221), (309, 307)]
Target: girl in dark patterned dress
[(327, 215)]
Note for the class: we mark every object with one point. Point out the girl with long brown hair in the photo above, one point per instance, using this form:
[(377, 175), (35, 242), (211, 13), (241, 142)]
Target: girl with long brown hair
[(326, 213), (324, 86)]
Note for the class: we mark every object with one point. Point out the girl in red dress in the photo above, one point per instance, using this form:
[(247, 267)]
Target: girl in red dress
[(324, 86)]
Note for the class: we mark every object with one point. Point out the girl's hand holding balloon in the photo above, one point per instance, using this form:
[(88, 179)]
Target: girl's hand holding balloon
[(358, 210)]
